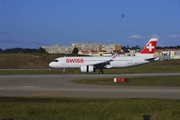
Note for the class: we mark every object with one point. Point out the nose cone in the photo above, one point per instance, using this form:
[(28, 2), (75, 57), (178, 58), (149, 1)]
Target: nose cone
[(51, 64)]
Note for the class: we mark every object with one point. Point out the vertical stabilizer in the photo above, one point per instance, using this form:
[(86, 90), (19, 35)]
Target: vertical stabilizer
[(150, 47)]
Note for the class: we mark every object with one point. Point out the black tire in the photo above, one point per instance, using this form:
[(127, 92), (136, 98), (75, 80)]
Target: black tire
[(101, 72), (127, 79)]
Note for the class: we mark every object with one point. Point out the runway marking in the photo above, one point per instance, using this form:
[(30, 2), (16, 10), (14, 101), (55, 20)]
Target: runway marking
[(44, 93), (142, 87), (31, 86)]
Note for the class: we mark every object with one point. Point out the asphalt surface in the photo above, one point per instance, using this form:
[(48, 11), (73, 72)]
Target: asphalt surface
[(59, 86)]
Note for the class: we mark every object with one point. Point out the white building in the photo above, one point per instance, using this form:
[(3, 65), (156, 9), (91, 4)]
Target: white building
[(58, 49), (175, 54), (89, 46), (92, 47)]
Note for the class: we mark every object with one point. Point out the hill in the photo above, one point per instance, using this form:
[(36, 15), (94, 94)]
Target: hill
[(26, 60)]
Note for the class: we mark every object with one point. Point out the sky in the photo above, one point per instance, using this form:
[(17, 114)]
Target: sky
[(36, 23)]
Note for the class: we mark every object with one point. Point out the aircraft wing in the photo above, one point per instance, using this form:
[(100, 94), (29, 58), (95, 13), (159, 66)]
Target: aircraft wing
[(105, 64), (101, 64)]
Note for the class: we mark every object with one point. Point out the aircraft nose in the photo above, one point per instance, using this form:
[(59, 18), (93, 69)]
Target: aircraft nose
[(51, 64)]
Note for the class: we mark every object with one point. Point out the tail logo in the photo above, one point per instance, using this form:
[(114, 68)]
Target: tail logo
[(150, 47)]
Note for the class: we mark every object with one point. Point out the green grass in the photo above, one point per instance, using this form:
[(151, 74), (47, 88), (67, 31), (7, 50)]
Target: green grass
[(22, 60), (88, 108), (25, 60), (135, 81)]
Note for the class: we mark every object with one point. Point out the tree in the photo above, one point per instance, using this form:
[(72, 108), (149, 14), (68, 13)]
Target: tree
[(27, 50), (75, 50), (13, 50), (41, 50), (1, 51)]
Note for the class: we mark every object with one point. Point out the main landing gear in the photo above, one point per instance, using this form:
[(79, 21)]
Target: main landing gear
[(64, 71), (101, 71)]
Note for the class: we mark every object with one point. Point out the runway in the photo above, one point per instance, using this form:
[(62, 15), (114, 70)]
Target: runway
[(59, 86)]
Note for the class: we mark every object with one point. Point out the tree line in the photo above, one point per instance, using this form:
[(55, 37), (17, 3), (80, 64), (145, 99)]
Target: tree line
[(168, 47), (75, 50), (23, 50), (157, 47)]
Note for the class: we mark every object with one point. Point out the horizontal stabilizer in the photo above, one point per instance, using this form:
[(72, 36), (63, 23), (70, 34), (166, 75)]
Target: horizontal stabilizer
[(152, 59)]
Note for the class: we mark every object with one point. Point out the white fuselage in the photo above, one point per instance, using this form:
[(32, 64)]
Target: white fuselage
[(118, 62), (90, 64)]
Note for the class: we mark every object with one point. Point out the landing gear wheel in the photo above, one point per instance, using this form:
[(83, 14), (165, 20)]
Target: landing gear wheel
[(64, 71), (101, 72)]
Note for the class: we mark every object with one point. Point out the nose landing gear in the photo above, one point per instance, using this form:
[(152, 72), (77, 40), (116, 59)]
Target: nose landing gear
[(64, 71)]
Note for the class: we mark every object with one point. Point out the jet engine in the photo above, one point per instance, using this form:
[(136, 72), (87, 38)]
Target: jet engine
[(87, 68)]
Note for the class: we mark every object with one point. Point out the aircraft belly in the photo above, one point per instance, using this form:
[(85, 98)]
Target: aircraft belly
[(122, 64), (73, 65)]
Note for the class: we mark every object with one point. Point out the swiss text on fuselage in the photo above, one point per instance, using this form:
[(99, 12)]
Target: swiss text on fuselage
[(74, 60)]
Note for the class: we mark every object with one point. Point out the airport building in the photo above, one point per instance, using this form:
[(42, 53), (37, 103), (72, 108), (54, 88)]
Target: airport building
[(58, 49), (100, 49), (87, 48), (175, 54), (166, 54)]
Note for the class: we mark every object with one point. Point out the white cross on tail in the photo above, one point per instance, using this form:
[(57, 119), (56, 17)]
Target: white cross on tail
[(150, 47)]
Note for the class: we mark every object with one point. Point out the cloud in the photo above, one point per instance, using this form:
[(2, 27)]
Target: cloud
[(174, 36), (136, 36), (139, 36), (155, 36), (113, 40)]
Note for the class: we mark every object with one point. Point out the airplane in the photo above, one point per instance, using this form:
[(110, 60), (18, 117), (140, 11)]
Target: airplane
[(91, 64)]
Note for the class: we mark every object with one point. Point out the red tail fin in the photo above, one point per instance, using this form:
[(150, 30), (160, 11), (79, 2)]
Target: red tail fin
[(150, 47)]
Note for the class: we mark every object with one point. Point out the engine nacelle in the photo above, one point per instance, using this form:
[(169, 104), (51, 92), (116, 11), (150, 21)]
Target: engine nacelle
[(108, 66), (87, 68)]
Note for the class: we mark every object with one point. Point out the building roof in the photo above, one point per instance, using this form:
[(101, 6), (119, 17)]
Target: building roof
[(117, 51), (102, 51)]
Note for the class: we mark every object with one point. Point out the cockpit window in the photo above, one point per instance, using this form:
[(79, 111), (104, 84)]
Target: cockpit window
[(55, 60)]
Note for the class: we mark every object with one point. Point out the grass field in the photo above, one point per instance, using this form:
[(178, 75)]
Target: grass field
[(25, 60), (171, 81), (22, 60), (88, 108)]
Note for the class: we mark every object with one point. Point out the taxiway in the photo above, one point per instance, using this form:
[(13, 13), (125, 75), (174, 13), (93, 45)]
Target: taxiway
[(59, 86)]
